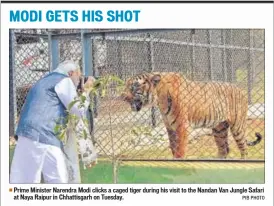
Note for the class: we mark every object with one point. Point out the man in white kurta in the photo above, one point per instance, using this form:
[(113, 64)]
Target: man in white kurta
[(39, 150)]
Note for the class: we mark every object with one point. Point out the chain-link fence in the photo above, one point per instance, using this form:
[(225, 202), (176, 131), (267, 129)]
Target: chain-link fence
[(211, 55)]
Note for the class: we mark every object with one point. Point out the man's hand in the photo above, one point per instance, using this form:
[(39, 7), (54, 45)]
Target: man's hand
[(89, 83)]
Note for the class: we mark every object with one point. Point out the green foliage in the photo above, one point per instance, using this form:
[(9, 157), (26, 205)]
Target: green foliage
[(141, 130), (72, 120), (71, 104)]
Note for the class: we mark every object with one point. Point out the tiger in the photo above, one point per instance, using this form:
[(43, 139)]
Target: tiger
[(186, 104)]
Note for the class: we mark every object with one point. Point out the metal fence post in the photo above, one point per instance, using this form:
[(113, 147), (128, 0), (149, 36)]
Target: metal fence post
[(87, 70), (12, 86), (53, 51), (87, 63), (192, 54), (210, 74), (250, 69), (223, 36), (93, 71), (151, 69), (231, 72)]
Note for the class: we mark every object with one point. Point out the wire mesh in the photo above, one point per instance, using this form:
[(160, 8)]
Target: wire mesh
[(70, 48), (31, 62), (206, 56)]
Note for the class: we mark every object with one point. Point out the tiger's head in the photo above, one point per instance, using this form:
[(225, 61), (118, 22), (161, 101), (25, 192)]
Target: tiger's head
[(140, 90)]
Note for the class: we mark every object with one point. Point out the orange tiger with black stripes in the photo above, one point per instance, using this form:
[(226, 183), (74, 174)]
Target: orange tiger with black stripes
[(186, 104)]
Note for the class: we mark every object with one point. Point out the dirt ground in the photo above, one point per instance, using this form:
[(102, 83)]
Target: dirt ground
[(114, 134)]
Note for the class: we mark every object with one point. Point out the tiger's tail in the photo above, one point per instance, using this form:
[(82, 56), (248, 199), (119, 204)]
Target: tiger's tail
[(257, 141)]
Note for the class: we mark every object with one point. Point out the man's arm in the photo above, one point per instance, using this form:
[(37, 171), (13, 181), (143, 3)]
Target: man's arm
[(66, 92)]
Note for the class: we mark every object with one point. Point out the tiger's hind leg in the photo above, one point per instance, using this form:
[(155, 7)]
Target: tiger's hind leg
[(239, 136), (220, 133)]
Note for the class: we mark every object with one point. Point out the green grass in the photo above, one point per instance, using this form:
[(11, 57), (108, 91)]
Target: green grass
[(102, 174)]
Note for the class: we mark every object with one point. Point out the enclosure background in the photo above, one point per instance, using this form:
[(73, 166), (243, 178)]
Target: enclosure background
[(226, 55)]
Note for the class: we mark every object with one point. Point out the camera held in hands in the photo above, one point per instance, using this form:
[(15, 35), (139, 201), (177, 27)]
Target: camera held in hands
[(80, 87)]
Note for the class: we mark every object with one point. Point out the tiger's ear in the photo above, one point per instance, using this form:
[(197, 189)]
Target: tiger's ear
[(155, 79)]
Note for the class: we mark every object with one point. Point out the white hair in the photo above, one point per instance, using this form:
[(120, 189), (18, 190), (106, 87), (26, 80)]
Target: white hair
[(66, 66)]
